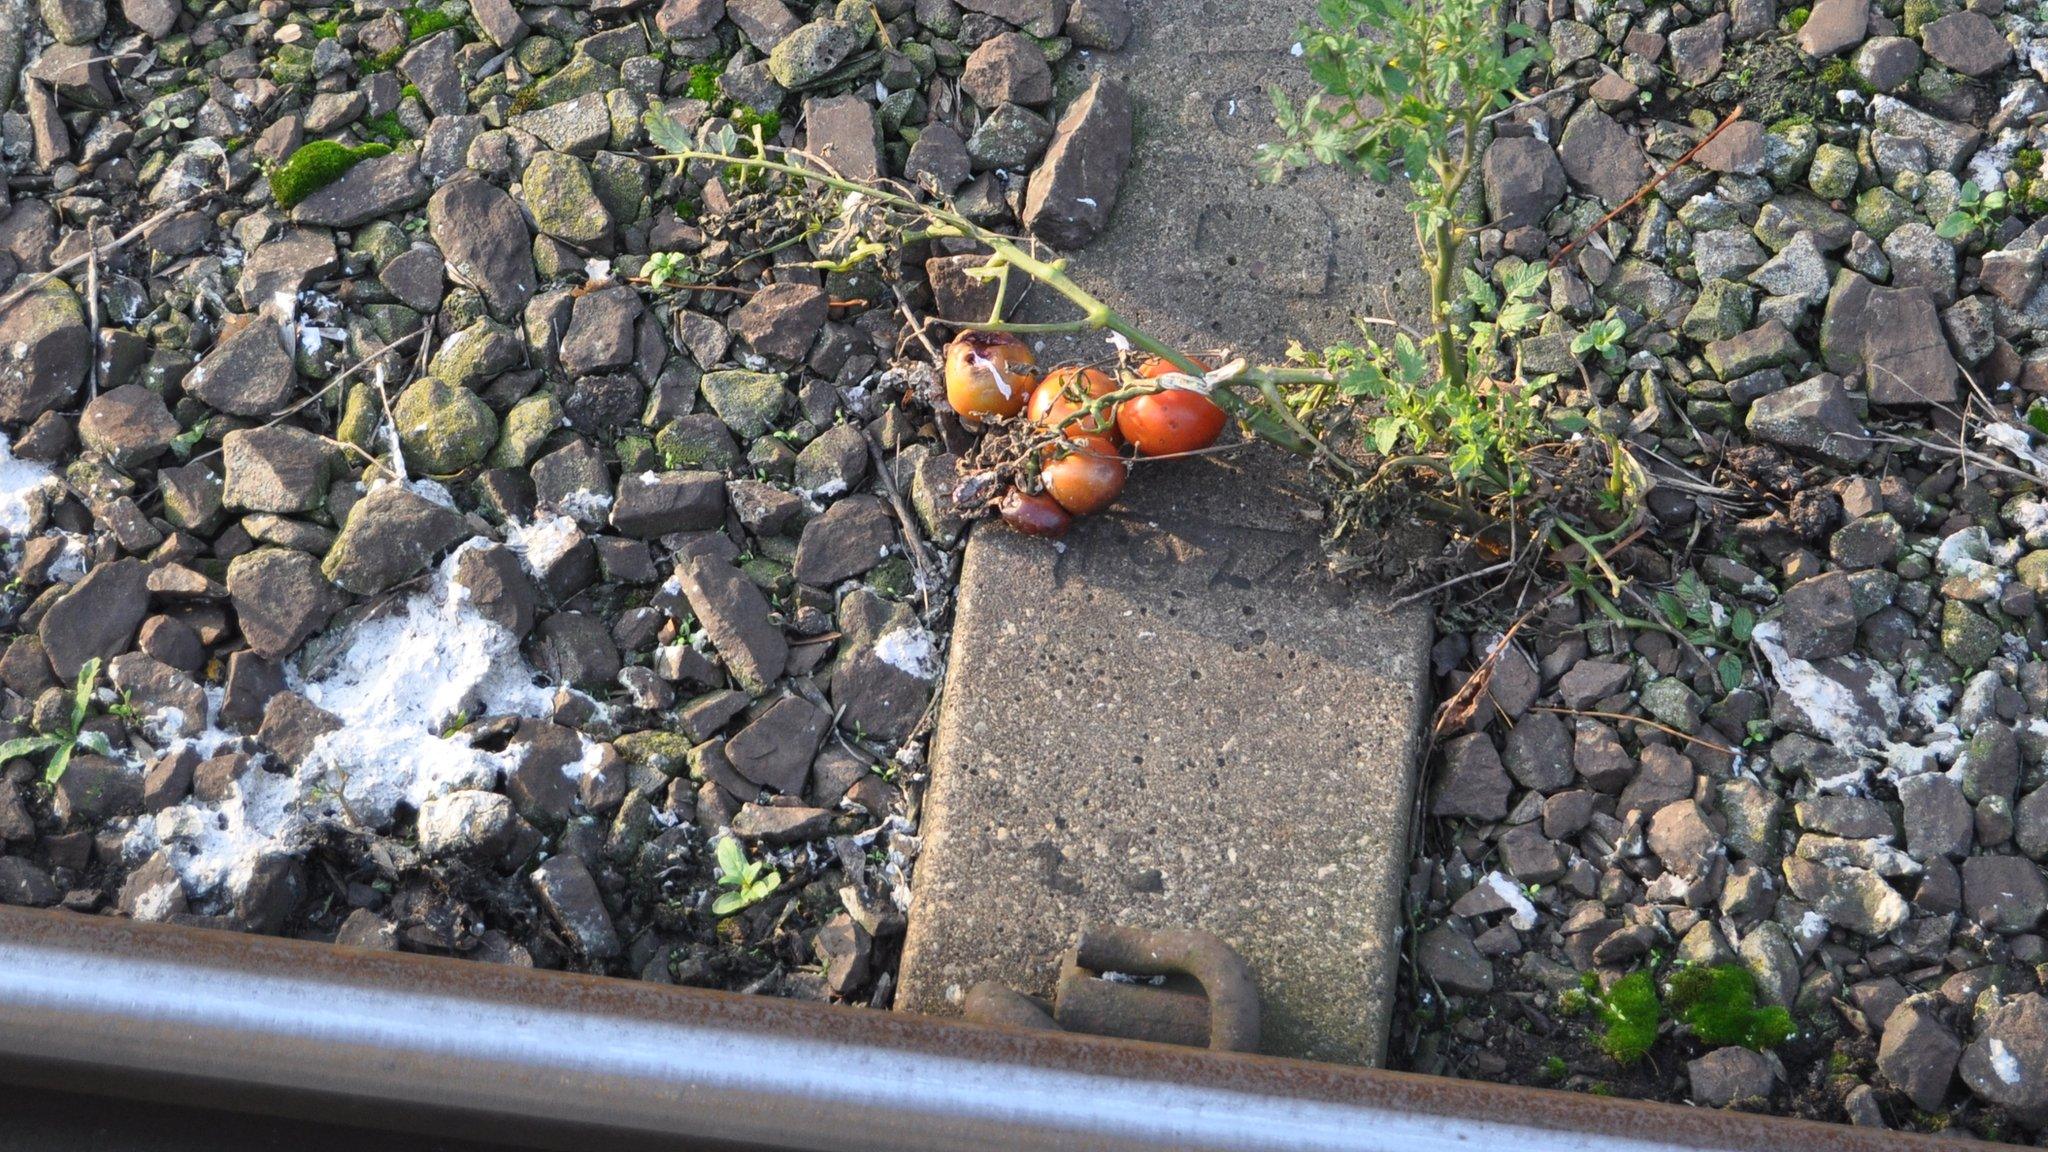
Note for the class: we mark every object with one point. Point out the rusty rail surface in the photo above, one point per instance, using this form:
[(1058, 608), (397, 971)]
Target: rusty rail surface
[(544, 1059)]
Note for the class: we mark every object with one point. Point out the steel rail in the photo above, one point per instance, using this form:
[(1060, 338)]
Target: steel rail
[(547, 1059)]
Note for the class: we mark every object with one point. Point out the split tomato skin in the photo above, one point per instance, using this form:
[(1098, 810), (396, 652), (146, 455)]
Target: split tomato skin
[(989, 374), (1055, 399), (1034, 515), (1084, 474)]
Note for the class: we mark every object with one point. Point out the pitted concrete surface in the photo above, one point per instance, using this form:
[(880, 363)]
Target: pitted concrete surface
[(1171, 721)]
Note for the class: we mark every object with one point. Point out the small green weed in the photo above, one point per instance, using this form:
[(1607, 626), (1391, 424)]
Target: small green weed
[(746, 882), (61, 743)]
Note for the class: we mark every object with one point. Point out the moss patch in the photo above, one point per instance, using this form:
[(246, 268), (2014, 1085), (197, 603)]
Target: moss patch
[(424, 22), (314, 166), (1629, 1013), (1719, 1005)]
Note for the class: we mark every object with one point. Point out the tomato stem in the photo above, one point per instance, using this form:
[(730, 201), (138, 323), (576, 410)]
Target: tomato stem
[(1264, 412)]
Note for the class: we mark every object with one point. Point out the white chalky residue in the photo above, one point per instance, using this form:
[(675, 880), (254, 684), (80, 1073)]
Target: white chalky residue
[(1928, 704), (398, 681), (1828, 704), (1524, 909), (433, 492), (1903, 760), (395, 681), (543, 542), (910, 650), (2014, 439), (2004, 1064), (585, 505), (22, 486)]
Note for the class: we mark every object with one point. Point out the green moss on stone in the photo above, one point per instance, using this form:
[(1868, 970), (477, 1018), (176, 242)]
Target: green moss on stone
[(1629, 1014), (443, 429), (1719, 1005), (314, 166)]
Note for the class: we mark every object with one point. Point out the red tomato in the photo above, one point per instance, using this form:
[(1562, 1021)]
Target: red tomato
[(1063, 392), (1168, 422), (1034, 515), (1084, 473), (988, 374)]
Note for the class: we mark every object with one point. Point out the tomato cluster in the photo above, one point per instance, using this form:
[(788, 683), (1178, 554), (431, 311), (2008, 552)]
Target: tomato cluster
[(993, 375)]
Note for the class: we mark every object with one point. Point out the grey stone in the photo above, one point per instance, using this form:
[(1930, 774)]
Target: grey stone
[(851, 537), (276, 469), (2007, 1064), (370, 188), (1523, 179), (44, 352), (736, 617), (96, 619), (2004, 893), (1728, 1075), (1447, 958), (280, 598), (1967, 42), (470, 823), (1075, 188), (1919, 1052), (565, 888), (841, 131), (775, 750), (485, 239), (654, 504), (1834, 26), (1815, 416), (391, 535), (1601, 156), (248, 372), (1855, 898), (1007, 69)]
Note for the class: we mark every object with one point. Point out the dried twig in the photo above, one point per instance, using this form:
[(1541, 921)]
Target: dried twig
[(95, 251), (1651, 185), (1621, 716)]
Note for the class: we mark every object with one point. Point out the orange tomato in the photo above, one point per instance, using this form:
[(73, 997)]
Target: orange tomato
[(988, 374), (1063, 392)]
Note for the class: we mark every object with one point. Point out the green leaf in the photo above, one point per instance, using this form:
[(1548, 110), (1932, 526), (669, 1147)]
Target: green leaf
[(22, 746), (2037, 416), (1386, 434), (768, 886), (732, 859), (1969, 193), (1730, 666), (185, 441), (667, 135), (95, 743), (1741, 624), (81, 696), (58, 763), (729, 903), (1954, 225)]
